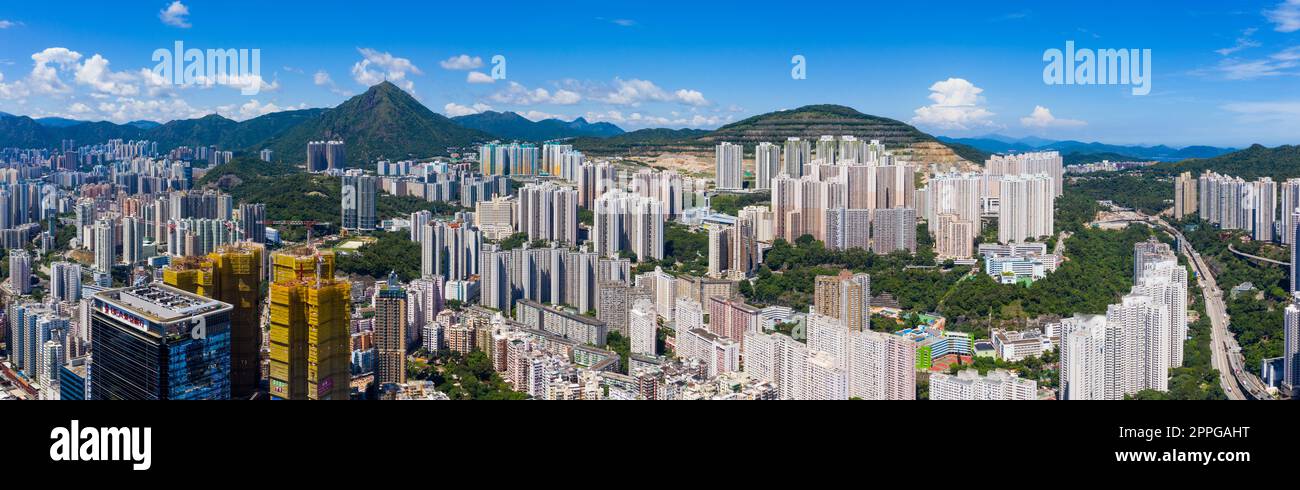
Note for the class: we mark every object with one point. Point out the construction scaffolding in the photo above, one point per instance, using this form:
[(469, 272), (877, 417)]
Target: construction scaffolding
[(232, 274), (310, 327)]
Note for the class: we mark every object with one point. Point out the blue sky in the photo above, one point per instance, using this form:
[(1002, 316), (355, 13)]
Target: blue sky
[(1222, 74)]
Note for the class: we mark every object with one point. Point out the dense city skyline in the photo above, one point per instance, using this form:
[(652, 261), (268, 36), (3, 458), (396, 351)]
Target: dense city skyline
[(964, 70)]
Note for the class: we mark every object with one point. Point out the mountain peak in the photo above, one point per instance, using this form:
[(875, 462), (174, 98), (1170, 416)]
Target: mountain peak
[(383, 122)]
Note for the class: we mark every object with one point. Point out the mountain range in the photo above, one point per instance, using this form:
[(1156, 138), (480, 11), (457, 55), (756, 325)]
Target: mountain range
[(387, 122), (995, 143), (512, 126)]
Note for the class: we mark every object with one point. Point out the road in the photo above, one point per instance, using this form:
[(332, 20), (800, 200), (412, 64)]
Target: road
[(1226, 354), (1258, 258)]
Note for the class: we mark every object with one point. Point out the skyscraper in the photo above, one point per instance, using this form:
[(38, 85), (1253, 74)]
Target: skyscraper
[(105, 254), (549, 212), (797, 154), (1048, 163), (157, 342), (251, 217), (359, 202), (846, 297), (1262, 208), (325, 155), (893, 229), (233, 275), (310, 328), (767, 164), (882, 366), (1026, 208), (1084, 358), (1291, 348), (65, 281), (390, 332), (625, 221), (642, 328), (1288, 204), (1185, 195), (729, 162), (20, 271), (132, 240)]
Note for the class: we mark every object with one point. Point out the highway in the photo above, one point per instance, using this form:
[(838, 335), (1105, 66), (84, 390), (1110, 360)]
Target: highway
[(1257, 258), (1226, 354)]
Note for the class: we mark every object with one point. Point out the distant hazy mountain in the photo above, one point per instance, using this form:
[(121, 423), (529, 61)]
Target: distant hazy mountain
[(383, 122), (58, 122), (1002, 144), (641, 140), (25, 132), (144, 124), (512, 126)]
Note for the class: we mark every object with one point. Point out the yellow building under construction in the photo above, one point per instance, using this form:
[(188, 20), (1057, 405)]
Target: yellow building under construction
[(232, 274), (310, 328)]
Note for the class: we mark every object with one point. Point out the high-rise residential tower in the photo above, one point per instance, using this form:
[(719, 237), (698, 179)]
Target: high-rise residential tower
[(310, 328)]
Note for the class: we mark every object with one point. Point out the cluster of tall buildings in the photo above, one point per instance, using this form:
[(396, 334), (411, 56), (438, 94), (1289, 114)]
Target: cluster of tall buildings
[(853, 195), (324, 156), (628, 222), (1267, 213), (835, 364), (1018, 190), (1236, 204), (1134, 345), (233, 275), (548, 212), (509, 159)]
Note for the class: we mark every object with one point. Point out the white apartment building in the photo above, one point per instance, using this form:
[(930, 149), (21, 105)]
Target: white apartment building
[(998, 384)]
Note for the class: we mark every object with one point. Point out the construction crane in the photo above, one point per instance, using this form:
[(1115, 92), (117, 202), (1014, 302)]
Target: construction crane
[(310, 224)]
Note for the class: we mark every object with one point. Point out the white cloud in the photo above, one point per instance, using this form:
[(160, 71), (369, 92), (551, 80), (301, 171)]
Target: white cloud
[(323, 79), (691, 97), (11, 90), (125, 109), (639, 120), (635, 91), (1243, 42), (239, 82), (1042, 118), (453, 109), (176, 15), (95, 73), (1283, 62), (957, 105), (462, 62), (5, 24), (478, 77), (253, 108), (517, 94), (1285, 17), (539, 116), (45, 70), (390, 68), (79, 108)]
